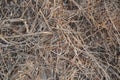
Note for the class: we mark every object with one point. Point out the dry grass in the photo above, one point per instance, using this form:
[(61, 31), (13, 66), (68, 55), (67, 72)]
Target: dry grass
[(59, 39)]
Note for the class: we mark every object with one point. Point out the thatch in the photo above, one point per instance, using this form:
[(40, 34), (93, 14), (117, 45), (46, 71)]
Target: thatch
[(59, 39)]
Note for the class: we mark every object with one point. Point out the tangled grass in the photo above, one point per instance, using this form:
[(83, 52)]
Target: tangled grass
[(59, 39)]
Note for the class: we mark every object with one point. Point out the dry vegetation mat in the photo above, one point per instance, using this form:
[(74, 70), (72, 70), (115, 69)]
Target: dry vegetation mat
[(59, 39)]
